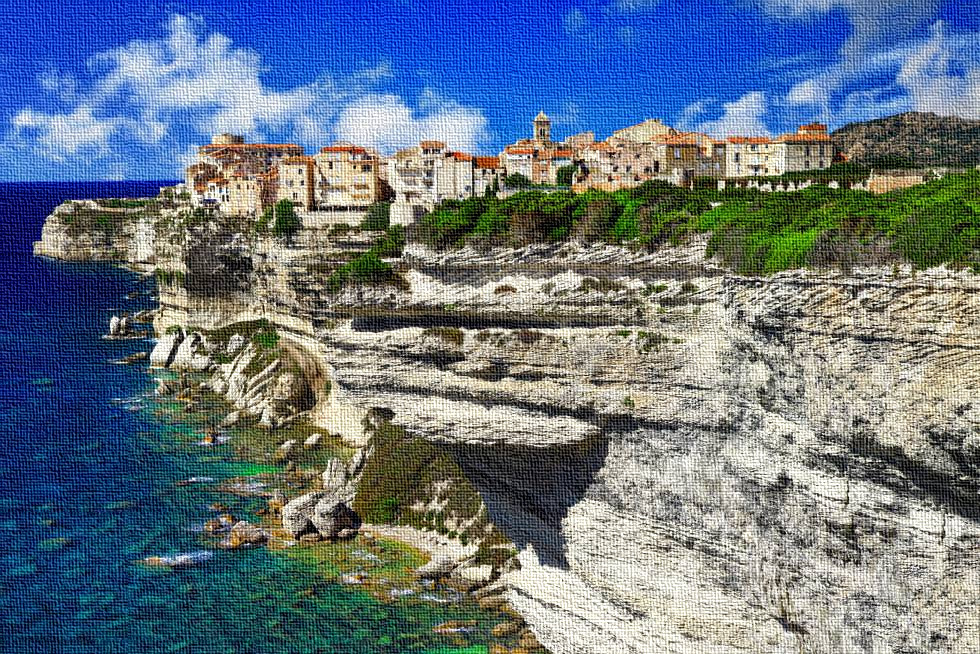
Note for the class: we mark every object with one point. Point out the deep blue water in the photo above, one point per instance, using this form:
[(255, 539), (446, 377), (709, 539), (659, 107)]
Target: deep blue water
[(70, 455)]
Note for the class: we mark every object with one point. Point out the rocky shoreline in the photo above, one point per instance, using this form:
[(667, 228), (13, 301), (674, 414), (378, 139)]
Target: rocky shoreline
[(684, 459), (318, 508)]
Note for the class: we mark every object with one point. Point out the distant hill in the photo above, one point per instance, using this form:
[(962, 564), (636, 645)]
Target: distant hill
[(911, 139)]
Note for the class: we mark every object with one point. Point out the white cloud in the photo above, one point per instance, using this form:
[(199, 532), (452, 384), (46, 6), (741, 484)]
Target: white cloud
[(693, 113), (576, 22), (385, 122), (635, 5), (942, 74), (873, 22), (58, 136), (744, 116), (897, 58), (152, 98)]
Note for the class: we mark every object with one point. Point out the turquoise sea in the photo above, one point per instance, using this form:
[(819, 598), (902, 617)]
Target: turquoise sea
[(88, 486)]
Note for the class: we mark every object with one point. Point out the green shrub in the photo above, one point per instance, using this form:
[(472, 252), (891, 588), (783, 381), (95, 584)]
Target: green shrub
[(266, 338), (287, 223), (378, 217)]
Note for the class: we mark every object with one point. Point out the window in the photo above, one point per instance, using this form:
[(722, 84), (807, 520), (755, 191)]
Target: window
[(738, 157), (677, 153)]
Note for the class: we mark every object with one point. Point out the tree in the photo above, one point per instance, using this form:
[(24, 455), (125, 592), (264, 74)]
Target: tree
[(517, 180), (566, 175), (287, 222), (378, 217)]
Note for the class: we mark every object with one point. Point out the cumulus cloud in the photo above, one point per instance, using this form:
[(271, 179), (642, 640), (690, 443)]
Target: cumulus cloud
[(897, 58), (873, 22), (942, 74), (745, 116), (385, 122), (576, 22), (150, 99)]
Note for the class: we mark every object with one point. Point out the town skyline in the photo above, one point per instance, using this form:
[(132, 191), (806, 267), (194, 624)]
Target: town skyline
[(131, 95)]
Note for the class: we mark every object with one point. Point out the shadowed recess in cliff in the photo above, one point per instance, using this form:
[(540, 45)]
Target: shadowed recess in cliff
[(215, 267), (528, 490)]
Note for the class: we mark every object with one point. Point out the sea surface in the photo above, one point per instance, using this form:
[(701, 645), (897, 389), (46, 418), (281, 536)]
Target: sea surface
[(88, 487)]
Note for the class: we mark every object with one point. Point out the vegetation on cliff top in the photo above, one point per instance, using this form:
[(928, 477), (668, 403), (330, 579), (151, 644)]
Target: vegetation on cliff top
[(751, 231), (369, 268)]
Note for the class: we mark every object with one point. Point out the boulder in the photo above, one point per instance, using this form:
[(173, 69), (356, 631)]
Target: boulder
[(440, 566), (296, 514), (187, 358), (331, 516), (244, 534), (286, 449), (335, 476), (480, 574), (506, 629), (114, 326), (165, 349), (313, 440), (235, 343), (231, 419)]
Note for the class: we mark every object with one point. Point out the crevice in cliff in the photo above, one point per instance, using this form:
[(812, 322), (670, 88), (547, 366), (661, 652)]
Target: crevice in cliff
[(528, 491)]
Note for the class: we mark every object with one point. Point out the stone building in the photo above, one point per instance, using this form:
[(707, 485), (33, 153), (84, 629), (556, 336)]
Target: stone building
[(810, 148), (423, 176), (346, 178), (650, 130), (296, 182)]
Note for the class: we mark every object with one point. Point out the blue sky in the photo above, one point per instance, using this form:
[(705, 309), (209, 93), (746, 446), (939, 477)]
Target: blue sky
[(127, 90)]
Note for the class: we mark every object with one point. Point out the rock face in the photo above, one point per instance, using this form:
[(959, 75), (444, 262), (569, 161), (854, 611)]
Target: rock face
[(687, 460), (83, 230), (716, 463)]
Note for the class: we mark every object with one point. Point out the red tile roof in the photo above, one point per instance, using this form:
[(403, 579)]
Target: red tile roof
[(353, 149), (749, 139), (252, 146), (813, 137), (462, 156), (488, 162), (432, 145)]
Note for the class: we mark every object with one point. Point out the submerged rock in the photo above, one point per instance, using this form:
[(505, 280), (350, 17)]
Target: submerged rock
[(454, 627), (178, 560), (440, 566), (244, 534)]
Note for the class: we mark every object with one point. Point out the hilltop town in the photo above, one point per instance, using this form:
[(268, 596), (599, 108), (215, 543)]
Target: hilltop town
[(244, 179)]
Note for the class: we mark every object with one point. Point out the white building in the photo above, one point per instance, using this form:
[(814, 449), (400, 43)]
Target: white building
[(423, 176)]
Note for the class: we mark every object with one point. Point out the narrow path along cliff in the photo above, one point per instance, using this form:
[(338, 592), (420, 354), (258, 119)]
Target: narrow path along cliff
[(641, 449)]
